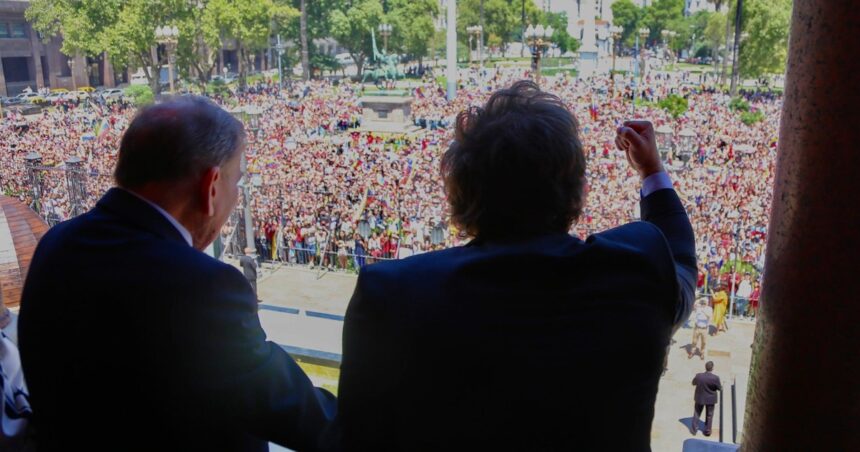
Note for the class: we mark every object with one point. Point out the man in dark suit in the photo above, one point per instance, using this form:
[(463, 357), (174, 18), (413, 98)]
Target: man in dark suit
[(527, 338), (707, 384), (131, 337), (249, 268)]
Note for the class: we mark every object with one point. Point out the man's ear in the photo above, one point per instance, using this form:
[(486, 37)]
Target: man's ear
[(208, 189)]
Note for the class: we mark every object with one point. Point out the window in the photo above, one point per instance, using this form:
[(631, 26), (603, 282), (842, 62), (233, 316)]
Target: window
[(4, 30), (18, 30)]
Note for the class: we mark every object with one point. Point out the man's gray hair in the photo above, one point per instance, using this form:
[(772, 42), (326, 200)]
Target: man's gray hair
[(176, 140)]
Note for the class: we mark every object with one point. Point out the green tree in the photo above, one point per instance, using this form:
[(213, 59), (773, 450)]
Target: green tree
[(565, 42), (715, 34), (501, 20), (412, 26), (351, 23), (628, 16), (249, 23), (660, 15), (765, 50)]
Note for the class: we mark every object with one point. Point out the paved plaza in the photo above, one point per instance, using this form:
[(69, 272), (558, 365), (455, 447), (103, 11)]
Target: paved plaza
[(303, 310)]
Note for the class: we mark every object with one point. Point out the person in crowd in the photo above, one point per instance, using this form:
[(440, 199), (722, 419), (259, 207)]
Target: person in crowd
[(742, 295), (720, 306), (707, 384), (701, 318), (168, 353), (451, 349), (249, 269)]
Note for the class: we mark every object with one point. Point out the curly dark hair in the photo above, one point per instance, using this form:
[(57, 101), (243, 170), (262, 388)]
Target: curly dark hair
[(515, 168)]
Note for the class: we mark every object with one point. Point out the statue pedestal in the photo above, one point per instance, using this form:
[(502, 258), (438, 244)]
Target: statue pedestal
[(390, 114)]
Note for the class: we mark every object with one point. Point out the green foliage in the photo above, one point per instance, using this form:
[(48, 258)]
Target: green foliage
[(125, 29), (765, 51), (627, 15), (660, 15), (501, 20), (351, 24), (412, 26), (739, 104), (674, 104), (751, 117), (560, 37), (140, 94), (217, 88), (322, 62)]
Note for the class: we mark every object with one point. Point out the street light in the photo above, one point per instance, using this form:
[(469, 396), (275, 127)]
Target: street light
[(664, 141), (615, 32), (643, 33), (280, 48), (476, 30), (250, 116), (385, 32), (686, 142), (169, 37), (538, 38)]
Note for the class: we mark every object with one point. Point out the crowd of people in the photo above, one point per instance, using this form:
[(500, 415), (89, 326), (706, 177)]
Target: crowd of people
[(325, 192)]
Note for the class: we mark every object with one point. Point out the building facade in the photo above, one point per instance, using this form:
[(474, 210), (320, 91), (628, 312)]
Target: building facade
[(28, 61)]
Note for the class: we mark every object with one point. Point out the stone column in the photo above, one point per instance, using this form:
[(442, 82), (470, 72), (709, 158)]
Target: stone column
[(3, 91), (803, 392), (36, 48), (108, 75)]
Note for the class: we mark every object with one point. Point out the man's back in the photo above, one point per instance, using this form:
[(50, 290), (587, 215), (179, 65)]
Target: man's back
[(552, 343), (707, 385), (132, 339)]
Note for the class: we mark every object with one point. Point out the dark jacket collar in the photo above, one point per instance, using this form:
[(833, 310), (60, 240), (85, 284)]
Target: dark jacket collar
[(137, 212)]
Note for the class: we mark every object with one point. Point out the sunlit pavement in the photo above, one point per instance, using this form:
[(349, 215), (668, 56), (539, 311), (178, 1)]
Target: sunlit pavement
[(302, 310)]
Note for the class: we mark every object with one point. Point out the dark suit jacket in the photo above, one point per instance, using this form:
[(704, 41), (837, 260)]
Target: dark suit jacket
[(133, 340), (548, 344), (707, 385), (249, 267)]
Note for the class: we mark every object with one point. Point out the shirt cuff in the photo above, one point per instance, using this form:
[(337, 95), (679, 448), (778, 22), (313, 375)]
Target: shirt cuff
[(654, 182)]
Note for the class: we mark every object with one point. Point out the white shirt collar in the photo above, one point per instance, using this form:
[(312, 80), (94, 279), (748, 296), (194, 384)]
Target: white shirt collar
[(176, 224)]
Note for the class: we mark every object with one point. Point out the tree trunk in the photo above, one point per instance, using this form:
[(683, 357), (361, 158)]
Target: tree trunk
[(737, 47), (303, 32), (726, 56), (359, 65), (154, 71)]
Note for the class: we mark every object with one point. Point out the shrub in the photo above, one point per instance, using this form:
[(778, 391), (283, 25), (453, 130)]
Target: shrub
[(674, 105), (739, 104), (140, 94), (751, 117)]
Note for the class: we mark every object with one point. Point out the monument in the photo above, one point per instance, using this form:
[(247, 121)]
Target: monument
[(387, 111)]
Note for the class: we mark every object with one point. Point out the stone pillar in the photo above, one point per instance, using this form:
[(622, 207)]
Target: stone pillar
[(36, 48), (3, 91), (108, 78), (803, 392)]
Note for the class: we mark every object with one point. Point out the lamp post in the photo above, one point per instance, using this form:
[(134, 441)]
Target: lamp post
[(615, 32), (664, 141), (643, 33), (385, 32), (71, 63), (250, 116), (477, 31), (33, 162), (169, 37), (686, 142), (280, 48), (538, 38)]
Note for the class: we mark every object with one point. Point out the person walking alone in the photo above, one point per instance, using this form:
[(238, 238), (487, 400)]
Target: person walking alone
[(707, 384)]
